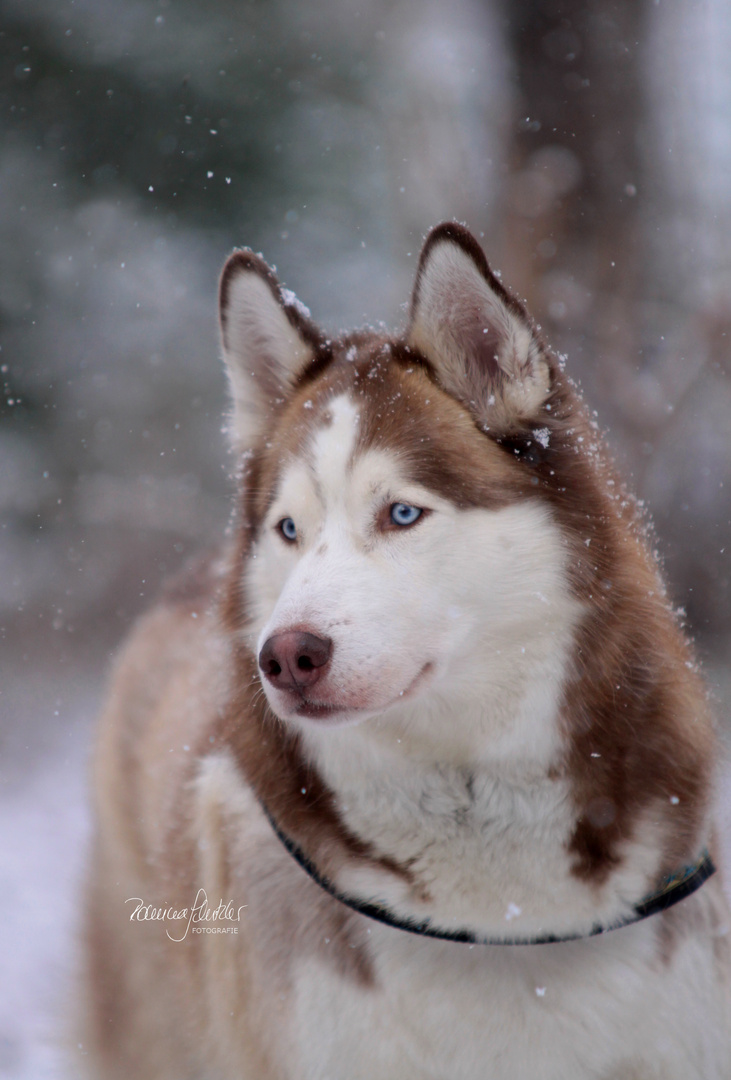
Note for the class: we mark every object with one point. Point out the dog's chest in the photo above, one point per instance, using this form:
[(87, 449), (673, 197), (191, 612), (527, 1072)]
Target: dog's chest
[(471, 1012)]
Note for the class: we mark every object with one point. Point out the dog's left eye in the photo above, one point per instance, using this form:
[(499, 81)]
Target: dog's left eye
[(288, 529), (403, 514)]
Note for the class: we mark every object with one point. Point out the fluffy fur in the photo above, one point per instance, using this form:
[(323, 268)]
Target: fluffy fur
[(440, 656)]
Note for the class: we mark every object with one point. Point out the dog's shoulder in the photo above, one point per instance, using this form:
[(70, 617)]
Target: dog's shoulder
[(162, 704)]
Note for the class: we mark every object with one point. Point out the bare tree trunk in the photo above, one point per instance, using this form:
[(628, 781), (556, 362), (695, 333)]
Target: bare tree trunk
[(617, 223), (571, 237)]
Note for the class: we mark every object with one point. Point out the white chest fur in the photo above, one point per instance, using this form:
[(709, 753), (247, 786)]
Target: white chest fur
[(612, 1007), (592, 1010), (488, 852)]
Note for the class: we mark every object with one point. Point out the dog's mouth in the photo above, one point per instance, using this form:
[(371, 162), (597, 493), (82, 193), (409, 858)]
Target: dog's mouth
[(316, 711), (319, 710)]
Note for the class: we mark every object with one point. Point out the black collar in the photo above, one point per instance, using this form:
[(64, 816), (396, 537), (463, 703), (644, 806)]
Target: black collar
[(671, 891)]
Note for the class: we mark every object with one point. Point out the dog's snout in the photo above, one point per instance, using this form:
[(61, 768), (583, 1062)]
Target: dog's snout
[(294, 659)]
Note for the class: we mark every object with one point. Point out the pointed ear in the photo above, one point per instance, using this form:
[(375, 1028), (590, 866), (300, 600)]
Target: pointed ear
[(475, 334), (267, 341)]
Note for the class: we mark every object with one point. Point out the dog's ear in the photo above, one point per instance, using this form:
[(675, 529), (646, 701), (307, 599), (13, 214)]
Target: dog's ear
[(267, 338), (478, 338)]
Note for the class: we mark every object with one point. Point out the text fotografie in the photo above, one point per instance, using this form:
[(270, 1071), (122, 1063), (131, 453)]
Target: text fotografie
[(201, 917)]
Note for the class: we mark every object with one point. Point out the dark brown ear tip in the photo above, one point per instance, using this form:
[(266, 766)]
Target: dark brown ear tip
[(243, 261), (449, 230), (454, 232)]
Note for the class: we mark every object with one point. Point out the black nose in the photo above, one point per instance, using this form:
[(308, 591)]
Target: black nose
[(294, 659)]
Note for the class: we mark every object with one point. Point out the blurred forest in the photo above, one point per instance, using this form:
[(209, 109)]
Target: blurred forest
[(588, 144)]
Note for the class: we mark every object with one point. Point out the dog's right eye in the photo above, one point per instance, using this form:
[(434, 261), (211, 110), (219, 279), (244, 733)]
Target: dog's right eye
[(404, 514), (288, 529)]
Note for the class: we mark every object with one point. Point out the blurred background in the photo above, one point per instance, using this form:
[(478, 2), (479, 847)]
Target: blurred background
[(587, 143)]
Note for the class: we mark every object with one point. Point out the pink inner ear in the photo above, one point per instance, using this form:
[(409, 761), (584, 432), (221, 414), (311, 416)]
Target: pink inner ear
[(480, 344)]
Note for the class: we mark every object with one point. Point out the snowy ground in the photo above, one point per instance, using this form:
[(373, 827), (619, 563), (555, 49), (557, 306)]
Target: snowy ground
[(48, 724), (44, 826)]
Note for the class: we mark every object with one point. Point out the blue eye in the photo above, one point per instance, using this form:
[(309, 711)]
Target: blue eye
[(403, 514), (288, 529)]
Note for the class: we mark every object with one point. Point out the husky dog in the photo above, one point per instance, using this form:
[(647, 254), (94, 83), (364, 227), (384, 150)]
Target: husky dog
[(414, 779)]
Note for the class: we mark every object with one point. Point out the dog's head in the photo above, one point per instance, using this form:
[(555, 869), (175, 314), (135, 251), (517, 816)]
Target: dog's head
[(432, 540), (401, 544)]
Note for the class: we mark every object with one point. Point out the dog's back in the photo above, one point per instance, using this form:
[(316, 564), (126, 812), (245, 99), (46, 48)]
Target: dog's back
[(376, 787)]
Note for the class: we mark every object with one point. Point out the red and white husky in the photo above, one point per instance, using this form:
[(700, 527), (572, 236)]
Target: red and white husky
[(408, 783)]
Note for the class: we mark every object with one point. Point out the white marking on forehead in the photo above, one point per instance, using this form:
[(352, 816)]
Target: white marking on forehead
[(332, 446)]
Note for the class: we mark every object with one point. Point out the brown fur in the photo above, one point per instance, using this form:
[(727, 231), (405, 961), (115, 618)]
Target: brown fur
[(187, 723), (635, 698), (148, 809), (293, 792)]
